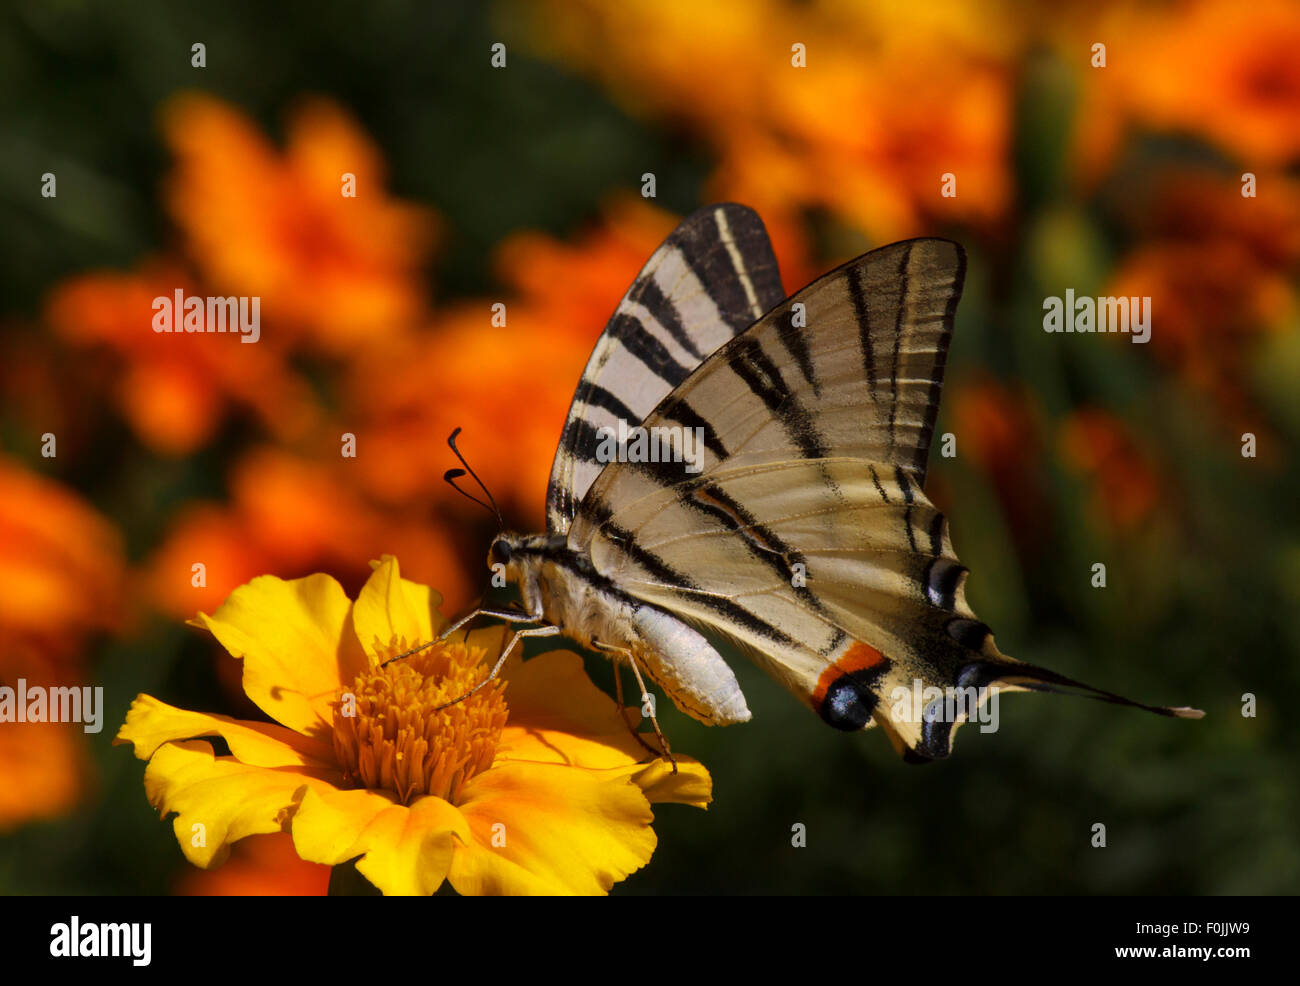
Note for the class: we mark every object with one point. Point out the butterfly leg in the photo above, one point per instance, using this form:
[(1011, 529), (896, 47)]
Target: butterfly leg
[(509, 617), (542, 631), (645, 701), (622, 705)]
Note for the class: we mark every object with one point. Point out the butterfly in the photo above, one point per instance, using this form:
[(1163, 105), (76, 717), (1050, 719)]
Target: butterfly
[(753, 466)]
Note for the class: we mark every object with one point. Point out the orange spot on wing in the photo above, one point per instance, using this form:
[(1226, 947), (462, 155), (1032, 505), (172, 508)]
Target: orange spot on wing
[(858, 657)]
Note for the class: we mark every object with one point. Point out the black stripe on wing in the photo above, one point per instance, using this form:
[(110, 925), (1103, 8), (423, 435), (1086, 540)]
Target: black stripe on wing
[(665, 574), (654, 299), (862, 315), (748, 361), (708, 281), (899, 314), (682, 412)]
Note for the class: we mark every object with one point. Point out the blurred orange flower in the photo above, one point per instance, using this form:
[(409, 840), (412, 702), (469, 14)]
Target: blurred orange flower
[(37, 373), (1210, 300), (61, 570), (867, 128), (1220, 270), (293, 515), (1125, 483), (1000, 430), (44, 765), (173, 390), (509, 386), (512, 408), (259, 866), (1208, 68), (339, 269), (572, 286), (1199, 205), (61, 580)]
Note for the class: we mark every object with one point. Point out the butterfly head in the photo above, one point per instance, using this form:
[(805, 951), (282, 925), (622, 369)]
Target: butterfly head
[(517, 551), (520, 560), (502, 551), (506, 556)]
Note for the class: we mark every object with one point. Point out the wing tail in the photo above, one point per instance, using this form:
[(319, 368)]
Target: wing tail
[(921, 730)]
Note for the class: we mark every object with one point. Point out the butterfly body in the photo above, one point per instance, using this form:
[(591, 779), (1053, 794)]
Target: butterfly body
[(781, 503), (561, 587)]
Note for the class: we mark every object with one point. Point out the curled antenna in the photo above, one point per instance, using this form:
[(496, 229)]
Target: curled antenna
[(451, 475)]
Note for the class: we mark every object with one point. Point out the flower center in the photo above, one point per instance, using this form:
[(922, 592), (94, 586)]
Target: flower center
[(390, 734)]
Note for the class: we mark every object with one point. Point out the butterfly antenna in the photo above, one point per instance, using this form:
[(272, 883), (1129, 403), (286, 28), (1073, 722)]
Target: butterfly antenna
[(451, 475)]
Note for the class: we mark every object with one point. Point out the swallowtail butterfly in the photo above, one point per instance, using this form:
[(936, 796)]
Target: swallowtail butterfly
[(785, 510)]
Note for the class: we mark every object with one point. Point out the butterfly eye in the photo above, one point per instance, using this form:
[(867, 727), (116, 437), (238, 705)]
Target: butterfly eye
[(501, 552)]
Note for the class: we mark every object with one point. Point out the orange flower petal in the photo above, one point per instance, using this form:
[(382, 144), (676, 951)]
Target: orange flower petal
[(44, 770), (260, 866)]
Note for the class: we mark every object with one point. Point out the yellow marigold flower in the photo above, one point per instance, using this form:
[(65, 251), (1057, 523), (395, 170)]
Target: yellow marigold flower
[(532, 785)]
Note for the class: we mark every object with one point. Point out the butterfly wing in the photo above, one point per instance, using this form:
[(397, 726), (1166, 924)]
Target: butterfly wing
[(806, 537), (822, 569), (851, 366), (713, 277)]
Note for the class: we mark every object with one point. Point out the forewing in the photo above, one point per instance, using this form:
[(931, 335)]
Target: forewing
[(713, 277)]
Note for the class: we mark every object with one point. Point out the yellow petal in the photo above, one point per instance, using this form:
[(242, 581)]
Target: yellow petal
[(565, 831), (391, 608), (151, 723), (691, 785), (218, 800), (557, 715), (404, 850), (296, 644)]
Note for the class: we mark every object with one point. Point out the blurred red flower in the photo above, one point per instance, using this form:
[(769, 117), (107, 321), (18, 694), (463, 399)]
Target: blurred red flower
[(1125, 485)]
